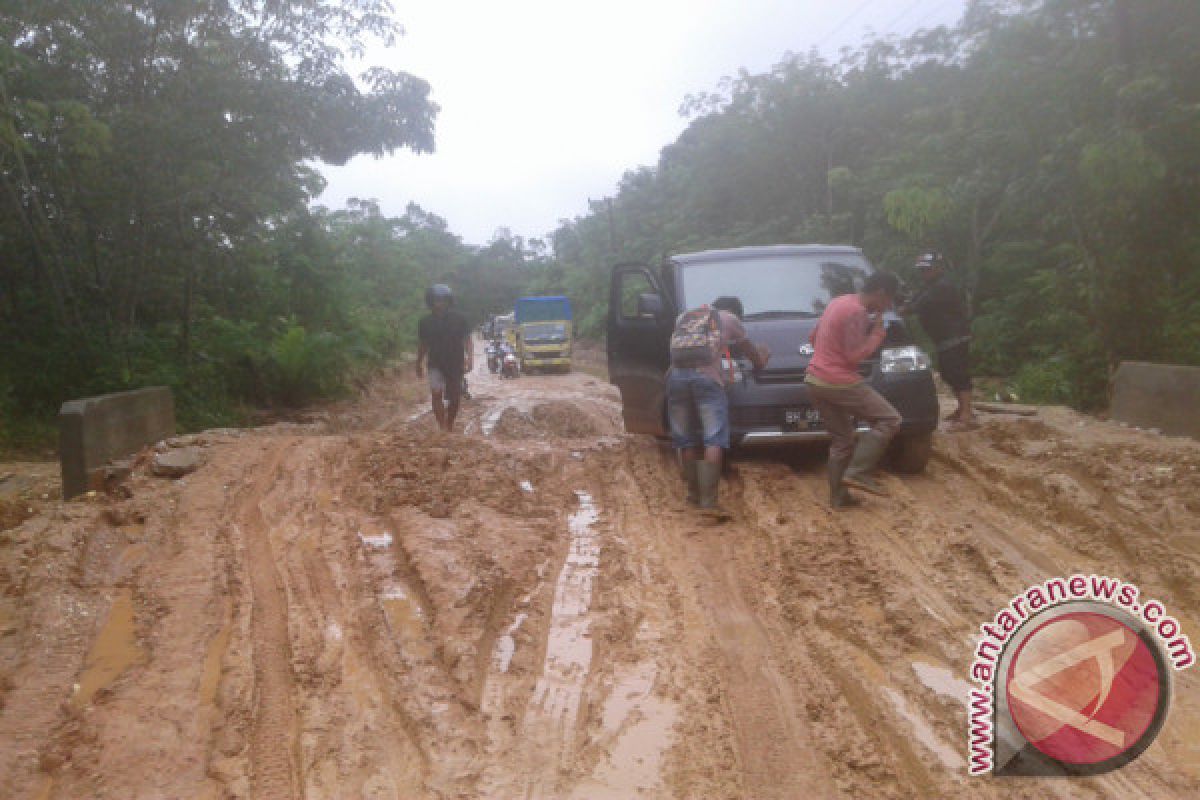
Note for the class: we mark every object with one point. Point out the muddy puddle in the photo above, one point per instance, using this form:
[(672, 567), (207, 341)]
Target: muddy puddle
[(114, 650), (554, 709), (950, 758), (636, 730), (406, 618)]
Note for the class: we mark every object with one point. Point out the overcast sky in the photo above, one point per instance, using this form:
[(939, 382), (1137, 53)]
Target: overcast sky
[(546, 103)]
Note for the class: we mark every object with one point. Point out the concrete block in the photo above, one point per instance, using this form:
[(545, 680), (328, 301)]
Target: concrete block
[(178, 462), (95, 430), (1161, 396)]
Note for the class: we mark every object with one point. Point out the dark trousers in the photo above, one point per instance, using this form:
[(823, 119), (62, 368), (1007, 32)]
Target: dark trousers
[(839, 408)]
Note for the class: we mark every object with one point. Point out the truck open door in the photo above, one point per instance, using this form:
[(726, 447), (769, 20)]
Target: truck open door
[(641, 317)]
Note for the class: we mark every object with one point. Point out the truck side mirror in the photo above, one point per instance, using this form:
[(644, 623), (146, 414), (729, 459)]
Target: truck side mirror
[(649, 305)]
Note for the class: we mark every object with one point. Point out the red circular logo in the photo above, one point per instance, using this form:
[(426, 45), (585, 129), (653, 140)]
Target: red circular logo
[(1083, 688)]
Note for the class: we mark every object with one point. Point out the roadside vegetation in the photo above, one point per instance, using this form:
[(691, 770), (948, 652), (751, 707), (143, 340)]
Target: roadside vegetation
[(157, 175), (1051, 148)]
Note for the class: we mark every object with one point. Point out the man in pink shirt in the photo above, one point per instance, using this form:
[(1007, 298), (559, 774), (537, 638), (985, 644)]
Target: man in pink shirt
[(850, 331)]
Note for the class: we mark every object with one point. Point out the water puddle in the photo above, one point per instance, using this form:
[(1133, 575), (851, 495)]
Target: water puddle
[(637, 728), (376, 541), (46, 790), (554, 709), (491, 418), (406, 620), (1009, 551), (402, 610), (942, 681), (506, 644), (924, 733), (114, 650), (211, 677)]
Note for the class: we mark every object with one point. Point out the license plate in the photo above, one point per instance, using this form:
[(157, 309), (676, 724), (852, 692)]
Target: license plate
[(795, 418)]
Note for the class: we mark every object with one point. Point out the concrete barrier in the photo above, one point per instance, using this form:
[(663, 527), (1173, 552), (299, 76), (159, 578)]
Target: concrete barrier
[(1162, 396), (96, 430)]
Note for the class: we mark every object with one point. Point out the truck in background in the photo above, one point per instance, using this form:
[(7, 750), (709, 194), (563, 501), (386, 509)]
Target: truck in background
[(501, 328), (544, 336)]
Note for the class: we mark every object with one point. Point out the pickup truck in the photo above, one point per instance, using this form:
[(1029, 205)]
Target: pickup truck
[(783, 289)]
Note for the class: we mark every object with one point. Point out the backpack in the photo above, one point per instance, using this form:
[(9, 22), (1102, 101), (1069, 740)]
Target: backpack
[(696, 340)]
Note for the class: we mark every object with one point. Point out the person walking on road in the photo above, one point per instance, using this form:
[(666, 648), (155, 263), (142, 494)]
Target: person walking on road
[(850, 330), (697, 406), (942, 310), (445, 339)]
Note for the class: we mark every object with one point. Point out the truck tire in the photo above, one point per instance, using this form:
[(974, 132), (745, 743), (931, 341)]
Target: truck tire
[(909, 454)]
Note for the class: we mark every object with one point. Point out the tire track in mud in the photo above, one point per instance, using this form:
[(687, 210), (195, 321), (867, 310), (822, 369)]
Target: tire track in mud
[(776, 758), (274, 740), (776, 753), (553, 711)]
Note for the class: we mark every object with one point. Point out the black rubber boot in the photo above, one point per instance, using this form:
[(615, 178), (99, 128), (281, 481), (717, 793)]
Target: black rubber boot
[(709, 479), (691, 477), (839, 495), (866, 455)]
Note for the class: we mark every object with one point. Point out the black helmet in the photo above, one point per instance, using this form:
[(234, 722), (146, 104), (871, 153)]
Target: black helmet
[(439, 291), (930, 260)]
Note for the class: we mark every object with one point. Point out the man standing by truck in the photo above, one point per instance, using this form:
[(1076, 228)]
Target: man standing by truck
[(697, 406), (942, 309), (850, 330), (444, 337)]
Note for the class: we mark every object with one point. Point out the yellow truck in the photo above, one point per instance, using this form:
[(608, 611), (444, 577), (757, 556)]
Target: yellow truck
[(544, 333)]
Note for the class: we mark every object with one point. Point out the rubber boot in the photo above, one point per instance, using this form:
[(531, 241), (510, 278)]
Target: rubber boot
[(691, 477), (839, 495), (708, 477), (866, 455)]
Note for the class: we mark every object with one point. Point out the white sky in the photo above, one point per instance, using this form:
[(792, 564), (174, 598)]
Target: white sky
[(546, 103)]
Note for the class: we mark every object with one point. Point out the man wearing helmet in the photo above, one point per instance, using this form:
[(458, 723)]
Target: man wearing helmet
[(445, 339), (943, 313)]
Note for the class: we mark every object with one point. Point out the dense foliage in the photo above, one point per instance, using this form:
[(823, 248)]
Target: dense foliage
[(155, 182), (158, 164), (1050, 147)]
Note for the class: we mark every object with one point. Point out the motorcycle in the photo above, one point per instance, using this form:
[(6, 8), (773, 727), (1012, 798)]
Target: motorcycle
[(509, 366), (493, 357)]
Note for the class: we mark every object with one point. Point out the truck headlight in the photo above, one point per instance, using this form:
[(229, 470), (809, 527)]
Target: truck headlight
[(903, 359)]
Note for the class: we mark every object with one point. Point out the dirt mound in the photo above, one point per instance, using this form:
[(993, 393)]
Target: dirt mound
[(556, 419), (515, 424)]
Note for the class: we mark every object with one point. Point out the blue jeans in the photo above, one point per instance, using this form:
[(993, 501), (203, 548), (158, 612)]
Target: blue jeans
[(697, 410)]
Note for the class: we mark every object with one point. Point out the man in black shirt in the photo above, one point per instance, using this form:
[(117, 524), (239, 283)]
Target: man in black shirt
[(942, 309), (444, 338)]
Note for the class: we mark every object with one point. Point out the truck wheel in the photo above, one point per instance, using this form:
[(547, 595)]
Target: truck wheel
[(910, 454)]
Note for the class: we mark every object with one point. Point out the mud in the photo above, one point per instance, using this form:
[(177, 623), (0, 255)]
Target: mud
[(353, 605)]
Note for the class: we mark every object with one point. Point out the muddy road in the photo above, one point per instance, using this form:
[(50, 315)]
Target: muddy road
[(357, 606)]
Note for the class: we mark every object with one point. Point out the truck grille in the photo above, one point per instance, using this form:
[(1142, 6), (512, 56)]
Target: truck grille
[(797, 375), (756, 416)]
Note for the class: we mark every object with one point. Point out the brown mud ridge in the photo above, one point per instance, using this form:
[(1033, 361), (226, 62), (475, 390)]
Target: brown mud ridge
[(361, 607)]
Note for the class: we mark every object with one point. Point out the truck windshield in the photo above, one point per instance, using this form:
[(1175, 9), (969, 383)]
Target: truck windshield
[(545, 332), (798, 285)]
